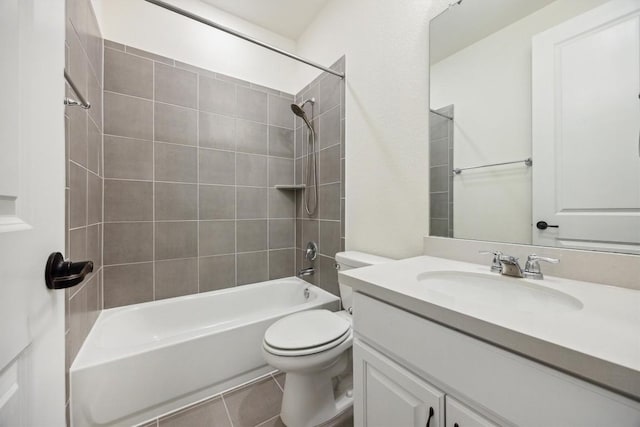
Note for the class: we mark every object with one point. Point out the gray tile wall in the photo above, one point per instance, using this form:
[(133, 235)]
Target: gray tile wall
[(190, 161), (326, 226), (84, 173), (440, 173)]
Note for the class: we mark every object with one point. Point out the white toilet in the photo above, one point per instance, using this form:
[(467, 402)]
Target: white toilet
[(312, 347)]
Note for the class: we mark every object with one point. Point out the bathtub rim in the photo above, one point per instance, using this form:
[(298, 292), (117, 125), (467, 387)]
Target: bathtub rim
[(79, 364)]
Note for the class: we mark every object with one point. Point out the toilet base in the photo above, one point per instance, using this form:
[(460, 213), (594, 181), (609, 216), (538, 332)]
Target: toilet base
[(309, 400)]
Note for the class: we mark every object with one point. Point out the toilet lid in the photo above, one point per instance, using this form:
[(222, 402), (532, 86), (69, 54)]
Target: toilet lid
[(306, 329)]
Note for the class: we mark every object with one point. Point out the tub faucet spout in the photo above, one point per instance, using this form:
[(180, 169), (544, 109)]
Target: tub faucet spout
[(306, 272)]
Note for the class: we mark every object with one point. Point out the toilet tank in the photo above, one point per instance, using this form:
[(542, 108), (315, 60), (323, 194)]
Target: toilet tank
[(353, 259)]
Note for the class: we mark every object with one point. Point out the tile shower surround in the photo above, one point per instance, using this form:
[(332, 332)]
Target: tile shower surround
[(84, 174), (190, 161), (129, 162), (326, 226)]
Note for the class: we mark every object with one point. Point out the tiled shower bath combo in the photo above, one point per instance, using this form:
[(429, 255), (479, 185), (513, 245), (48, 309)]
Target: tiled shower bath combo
[(175, 193), (191, 161)]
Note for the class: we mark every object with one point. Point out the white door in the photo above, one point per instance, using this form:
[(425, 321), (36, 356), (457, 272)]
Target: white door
[(388, 395), (31, 211), (586, 125)]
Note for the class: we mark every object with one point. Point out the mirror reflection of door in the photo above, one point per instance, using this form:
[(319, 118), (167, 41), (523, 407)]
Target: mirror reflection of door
[(553, 80), (586, 124)]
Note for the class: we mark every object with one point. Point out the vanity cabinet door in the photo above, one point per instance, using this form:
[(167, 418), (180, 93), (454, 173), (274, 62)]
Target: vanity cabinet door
[(459, 415), (388, 395)]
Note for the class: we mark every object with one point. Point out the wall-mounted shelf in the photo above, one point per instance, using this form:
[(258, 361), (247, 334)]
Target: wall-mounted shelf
[(290, 187)]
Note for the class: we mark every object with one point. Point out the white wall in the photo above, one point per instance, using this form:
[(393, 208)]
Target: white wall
[(387, 67), (493, 124), (146, 26)]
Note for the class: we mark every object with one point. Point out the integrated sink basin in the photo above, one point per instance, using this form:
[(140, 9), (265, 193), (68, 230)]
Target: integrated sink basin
[(498, 292)]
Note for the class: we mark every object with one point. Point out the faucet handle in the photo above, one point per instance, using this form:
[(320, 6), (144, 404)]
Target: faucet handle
[(496, 266), (532, 267), (534, 257)]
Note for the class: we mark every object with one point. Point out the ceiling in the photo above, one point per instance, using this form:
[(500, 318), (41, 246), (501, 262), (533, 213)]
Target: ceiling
[(288, 18), (462, 25)]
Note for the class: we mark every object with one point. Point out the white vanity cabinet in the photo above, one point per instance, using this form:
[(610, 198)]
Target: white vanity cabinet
[(392, 396), (404, 364), (459, 415)]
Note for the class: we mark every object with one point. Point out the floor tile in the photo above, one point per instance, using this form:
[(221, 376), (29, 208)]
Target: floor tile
[(254, 404)]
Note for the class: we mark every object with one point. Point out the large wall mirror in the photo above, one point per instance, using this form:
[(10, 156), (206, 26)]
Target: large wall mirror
[(535, 123)]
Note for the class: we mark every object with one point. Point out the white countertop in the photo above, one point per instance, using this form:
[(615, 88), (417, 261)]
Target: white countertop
[(599, 342)]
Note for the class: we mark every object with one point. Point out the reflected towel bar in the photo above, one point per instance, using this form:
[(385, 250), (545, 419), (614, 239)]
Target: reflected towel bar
[(441, 115), (528, 162), (68, 101)]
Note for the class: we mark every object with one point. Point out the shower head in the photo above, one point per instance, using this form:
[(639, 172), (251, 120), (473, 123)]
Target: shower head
[(299, 111)]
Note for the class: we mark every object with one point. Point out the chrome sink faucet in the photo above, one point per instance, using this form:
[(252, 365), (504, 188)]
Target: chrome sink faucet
[(496, 266), (508, 265), (532, 267)]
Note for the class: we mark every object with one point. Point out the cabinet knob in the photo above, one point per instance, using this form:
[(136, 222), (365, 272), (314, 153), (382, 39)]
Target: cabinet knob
[(430, 416)]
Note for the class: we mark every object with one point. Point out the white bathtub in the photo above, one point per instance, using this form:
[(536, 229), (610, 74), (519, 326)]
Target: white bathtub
[(143, 360)]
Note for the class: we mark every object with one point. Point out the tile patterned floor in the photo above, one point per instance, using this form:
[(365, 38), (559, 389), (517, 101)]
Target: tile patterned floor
[(253, 405)]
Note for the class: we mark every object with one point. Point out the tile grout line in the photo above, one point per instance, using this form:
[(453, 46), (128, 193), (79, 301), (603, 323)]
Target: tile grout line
[(195, 183), (235, 187), (194, 220), (267, 420), (153, 183), (198, 183), (277, 383), (268, 179), (101, 171), (199, 71), (212, 113), (226, 408)]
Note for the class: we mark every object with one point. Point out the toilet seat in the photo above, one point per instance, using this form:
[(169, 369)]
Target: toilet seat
[(307, 332)]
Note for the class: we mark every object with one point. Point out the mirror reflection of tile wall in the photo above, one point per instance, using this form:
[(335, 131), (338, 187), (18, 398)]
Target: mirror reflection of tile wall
[(440, 172)]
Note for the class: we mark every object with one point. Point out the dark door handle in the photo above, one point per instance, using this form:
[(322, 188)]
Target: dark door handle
[(60, 274), (430, 416), (542, 225)]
